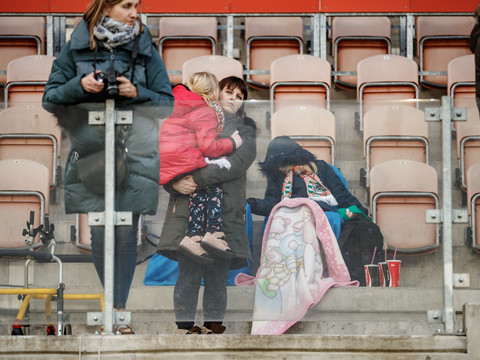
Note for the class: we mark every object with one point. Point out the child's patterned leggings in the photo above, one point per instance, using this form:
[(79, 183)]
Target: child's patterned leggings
[(206, 213)]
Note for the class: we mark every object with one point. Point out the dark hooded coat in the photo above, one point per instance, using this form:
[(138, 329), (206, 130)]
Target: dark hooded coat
[(475, 47), (283, 151)]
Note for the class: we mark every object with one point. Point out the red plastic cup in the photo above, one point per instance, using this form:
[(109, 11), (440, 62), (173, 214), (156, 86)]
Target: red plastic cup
[(372, 275), (384, 274), (394, 269)]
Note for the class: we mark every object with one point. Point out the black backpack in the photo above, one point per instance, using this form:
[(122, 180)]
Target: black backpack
[(358, 238)]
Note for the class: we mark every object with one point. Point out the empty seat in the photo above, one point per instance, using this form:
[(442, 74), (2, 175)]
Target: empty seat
[(354, 39), (401, 191), (468, 144), (310, 126), (267, 39), (299, 79), (24, 187), (220, 66), (441, 39), (473, 204), (394, 132), (29, 132), (26, 79), (20, 36), (384, 80), (461, 83), (182, 38)]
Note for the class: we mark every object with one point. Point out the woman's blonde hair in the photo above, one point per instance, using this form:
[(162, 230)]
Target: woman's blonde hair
[(95, 12), (204, 84)]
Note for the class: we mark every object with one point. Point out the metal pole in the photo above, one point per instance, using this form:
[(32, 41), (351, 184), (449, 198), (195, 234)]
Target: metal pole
[(315, 31), (410, 32), (230, 36), (323, 36), (109, 250), (448, 310)]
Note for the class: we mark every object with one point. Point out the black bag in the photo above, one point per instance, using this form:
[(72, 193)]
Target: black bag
[(358, 238), (91, 169)]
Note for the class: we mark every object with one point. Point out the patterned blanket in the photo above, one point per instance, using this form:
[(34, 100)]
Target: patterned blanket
[(300, 261)]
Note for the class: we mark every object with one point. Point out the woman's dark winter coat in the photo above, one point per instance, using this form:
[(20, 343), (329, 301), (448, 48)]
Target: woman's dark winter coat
[(475, 47), (65, 97), (283, 151), (233, 183)]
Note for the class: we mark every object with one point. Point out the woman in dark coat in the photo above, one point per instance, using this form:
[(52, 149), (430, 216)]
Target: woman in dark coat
[(475, 47), (233, 183), (111, 35)]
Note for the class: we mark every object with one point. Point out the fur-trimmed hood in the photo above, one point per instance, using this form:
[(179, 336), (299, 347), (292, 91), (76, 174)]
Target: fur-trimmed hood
[(283, 151)]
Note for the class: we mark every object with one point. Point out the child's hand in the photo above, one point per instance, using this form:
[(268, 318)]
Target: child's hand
[(237, 139)]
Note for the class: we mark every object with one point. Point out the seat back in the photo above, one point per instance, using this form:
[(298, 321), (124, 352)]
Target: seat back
[(468, 144), (385, 80), (401, 191), (220, 66), (461, 82), (441, 39), (30, 132), (473, 203), (267, 39), (26, 79), (20, 36), (394, 132), (354, 39), (24, 187), (311, 127), (300, 79), (183, 38)]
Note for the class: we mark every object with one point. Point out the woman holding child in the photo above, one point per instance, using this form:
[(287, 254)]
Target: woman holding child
[(232, 182)]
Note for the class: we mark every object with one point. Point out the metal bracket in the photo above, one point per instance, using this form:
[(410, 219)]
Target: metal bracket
[(121, 317), (461, 280), (124, 117), (435, 216), (435, 316), (459, 114), (121, 218), (432, 114)]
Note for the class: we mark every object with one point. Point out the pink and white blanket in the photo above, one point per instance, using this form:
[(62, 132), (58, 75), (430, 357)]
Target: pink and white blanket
[(300, 261)]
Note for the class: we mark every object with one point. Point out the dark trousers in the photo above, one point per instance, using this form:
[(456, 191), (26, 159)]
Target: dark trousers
[(206, 213)]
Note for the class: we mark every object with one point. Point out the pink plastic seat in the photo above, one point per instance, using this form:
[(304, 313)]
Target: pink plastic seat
[(26, 79), (299, 80), (468, 144), (311, 127), (20, 36), (24, 187), (267, 39), (183, 38), (441, 39), (401, 191), (29, 132), (394, 132), (354, 39), (386, 80), (220, 66), (473, 203)]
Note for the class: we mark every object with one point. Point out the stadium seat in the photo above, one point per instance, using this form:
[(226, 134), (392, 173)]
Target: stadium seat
[(384, 80), (267, 39), (394, 132), (220, 66), (26, 79), (30, 132), (401, 191), (24, 187), (20, 36), (441, 39), (354, 39), (468, 145), (299, 80), (311, 127), (473, 204), (182, 38)]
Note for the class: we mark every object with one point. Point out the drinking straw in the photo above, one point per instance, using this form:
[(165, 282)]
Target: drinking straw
[(373, 257), (395, 253)]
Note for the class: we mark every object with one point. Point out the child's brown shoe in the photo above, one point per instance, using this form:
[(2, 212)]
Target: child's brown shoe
[(215, 243), (191, 247)]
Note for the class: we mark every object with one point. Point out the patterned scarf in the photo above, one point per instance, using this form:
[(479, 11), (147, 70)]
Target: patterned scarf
[(315, 189), (220, 117), (113, 33)]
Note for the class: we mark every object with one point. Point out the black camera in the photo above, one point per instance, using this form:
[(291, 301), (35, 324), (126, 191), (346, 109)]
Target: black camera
[(109, 78)]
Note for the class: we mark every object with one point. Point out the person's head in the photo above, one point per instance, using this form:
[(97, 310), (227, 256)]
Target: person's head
[(233, 92), (477, 12), (123, 11), (204, 84)]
